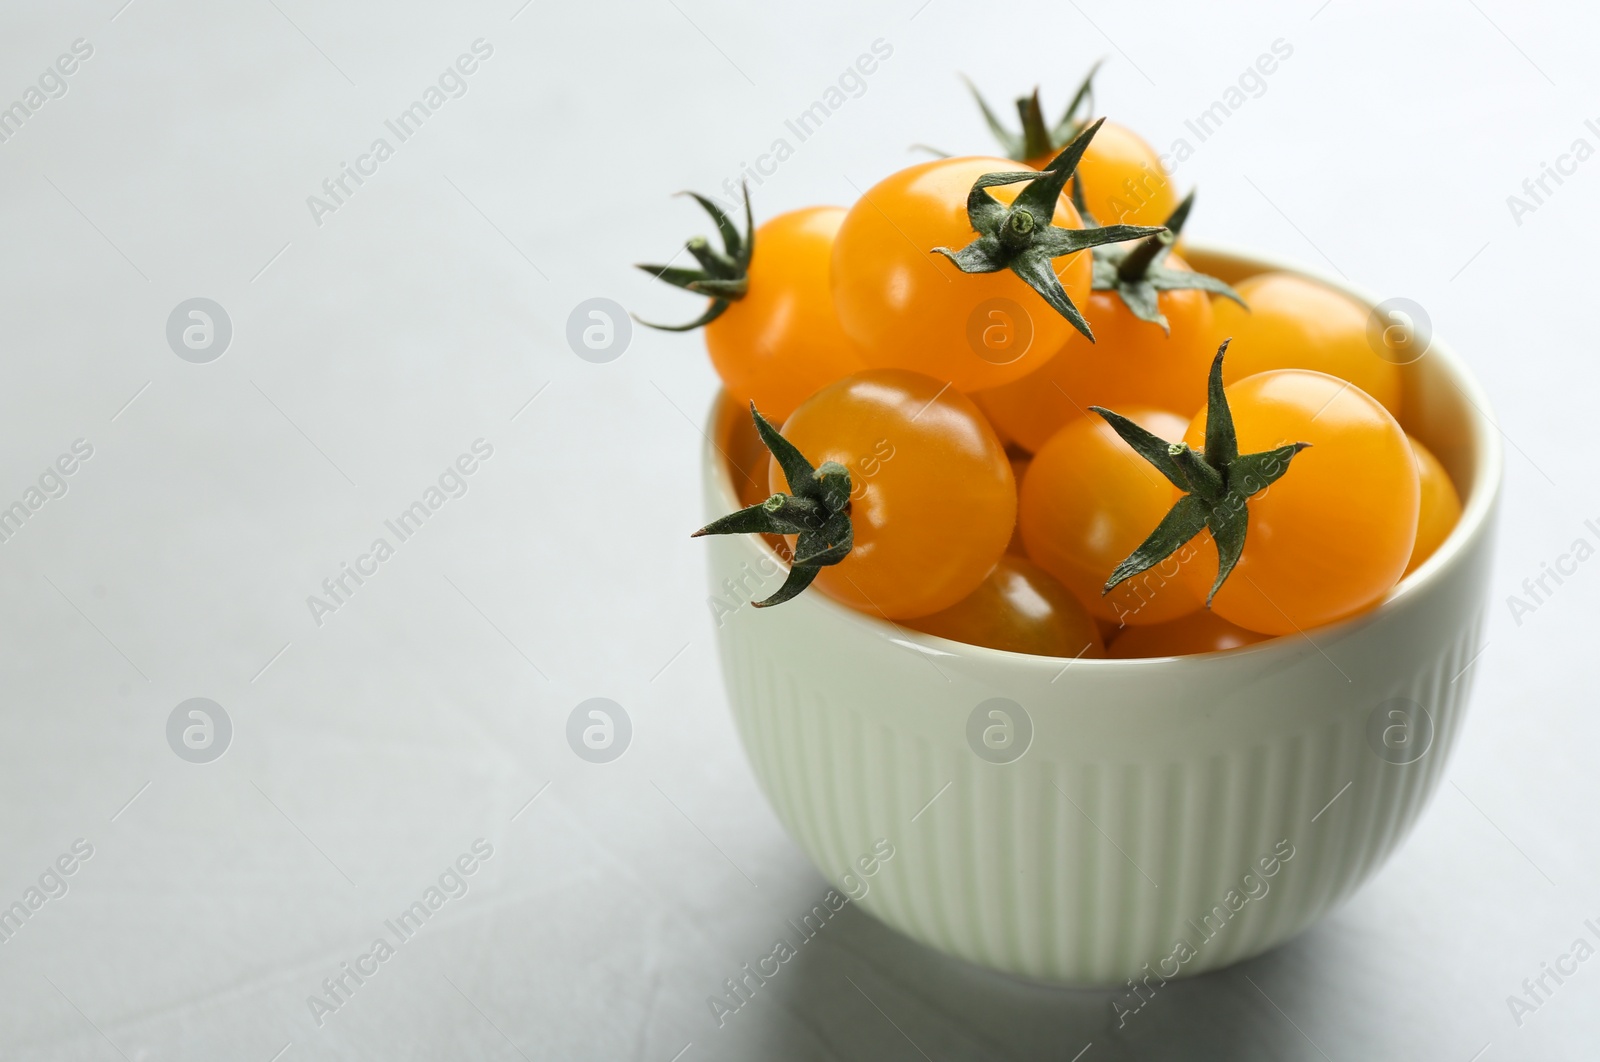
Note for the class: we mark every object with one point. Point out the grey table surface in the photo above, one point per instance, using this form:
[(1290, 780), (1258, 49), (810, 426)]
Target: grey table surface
[(376, 337)]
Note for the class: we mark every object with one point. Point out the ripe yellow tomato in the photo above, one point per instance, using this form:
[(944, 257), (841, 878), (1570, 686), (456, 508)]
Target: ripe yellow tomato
[(1331, 537), (1021, 609), (782, 341), (1440, 508), (1123, 179), (1295, 323), (1088, 501), (933, 501), (1131, 363), (906, 307), (1199, 632)]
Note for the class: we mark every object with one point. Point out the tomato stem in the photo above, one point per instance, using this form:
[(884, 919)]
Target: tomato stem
[(1037, 139), (1136, 264), (1139, 274), (1216, 483), (722, 276), (1203, 479), (1017, 233), (1014, 237)]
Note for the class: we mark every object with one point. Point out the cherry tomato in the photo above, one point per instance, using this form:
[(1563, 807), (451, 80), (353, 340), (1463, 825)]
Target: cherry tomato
[(909, 308), (782, 341), (1295, 323), (1440, 507), (1131, 363), (1087, 502), (1199, 632), (1333, 535), (1123, 179), (1021, 609), (933, 501)]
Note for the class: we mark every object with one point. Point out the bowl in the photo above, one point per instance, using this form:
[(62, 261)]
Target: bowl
[(1089, 822)]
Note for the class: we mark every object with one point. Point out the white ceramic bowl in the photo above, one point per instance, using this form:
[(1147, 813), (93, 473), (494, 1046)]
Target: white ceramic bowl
[(1134, 833)]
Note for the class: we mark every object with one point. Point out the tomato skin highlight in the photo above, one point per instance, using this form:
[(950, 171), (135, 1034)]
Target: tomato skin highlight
[(933, 501), (1021, 609), (782, 340), (1199, 632), (1440, 507), (1131, 363), (906, 307), (1087, 502), (1295, 323), (1333, 536)]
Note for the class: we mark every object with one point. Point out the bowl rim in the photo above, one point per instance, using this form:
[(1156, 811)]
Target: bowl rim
[(1481, 497)]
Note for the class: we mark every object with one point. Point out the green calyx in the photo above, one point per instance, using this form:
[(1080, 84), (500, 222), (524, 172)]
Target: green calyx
[(1022, 238), (1036, 138), (722, 274), (1216, 484), (817, 511), (1138, 273)]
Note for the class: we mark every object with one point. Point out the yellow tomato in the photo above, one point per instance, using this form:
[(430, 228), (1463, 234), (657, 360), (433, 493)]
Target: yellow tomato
[(782, 342), (906, 307), (1130, 363), (1019, 608), (1087, 502), (1333, 535), (1199, 632), (1295, 323), (1440, 510), (932, 502)]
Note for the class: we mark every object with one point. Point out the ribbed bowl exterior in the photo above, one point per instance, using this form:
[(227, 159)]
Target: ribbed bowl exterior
[(1168, 816)]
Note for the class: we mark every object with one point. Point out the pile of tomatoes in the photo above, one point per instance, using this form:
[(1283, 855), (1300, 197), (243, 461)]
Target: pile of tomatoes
[(1001, 408)]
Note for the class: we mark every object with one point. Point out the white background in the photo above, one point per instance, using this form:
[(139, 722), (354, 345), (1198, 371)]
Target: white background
[(372, 349)]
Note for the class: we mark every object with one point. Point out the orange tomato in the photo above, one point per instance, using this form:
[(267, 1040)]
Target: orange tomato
[(1295, 323), (1199, 632), (1087, 502), (782, 341), (1021, 609), (1123, 179), (906, 307), (1440, 507), (1131, 363), (1333, 535), (933, 501)]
